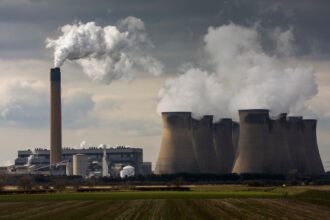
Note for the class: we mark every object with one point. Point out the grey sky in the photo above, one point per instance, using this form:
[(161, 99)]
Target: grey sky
[(121, 111)]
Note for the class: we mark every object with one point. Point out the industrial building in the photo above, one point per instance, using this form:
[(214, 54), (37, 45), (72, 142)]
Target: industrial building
[(83, 162), (258, 144)]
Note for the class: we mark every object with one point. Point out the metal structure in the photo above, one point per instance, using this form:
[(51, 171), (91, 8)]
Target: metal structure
[(176, 152), (223, 143), (202, 139), (253, 141), (55, 116)]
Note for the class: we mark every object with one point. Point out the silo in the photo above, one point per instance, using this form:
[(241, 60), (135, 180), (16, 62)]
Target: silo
[(314, 161), (223, 143), (253, 141), (80, 164), (279, 158), (296, 144), (176, 151), (202, 139), (235, 136)]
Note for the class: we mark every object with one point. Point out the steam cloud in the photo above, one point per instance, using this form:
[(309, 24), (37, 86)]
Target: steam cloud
[(106, 53), (242, 76)]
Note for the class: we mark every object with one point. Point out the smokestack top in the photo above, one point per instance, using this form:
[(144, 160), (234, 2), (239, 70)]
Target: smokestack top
[(310, 123), (55, 74), (310, 120), (176, 119), (254, 110), (283, 115), (295, 118), (254, 116), (176, 113)]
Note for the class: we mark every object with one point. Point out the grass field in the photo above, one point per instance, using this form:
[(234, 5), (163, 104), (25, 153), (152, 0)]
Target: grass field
[(203, 202)]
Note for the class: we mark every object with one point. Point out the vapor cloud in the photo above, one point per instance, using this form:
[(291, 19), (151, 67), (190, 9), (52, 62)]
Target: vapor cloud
[(106, 53), (240, 75)]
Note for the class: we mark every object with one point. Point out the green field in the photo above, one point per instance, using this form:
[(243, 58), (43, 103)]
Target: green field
[(203, 202)]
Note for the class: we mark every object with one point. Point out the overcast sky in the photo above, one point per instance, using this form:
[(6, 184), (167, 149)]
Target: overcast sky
[(124, 113)]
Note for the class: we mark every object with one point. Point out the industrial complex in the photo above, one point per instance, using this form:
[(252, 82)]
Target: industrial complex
[(258, 144), (86, 162)]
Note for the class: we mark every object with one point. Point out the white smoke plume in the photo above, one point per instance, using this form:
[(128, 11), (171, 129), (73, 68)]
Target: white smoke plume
[(243, 76), (106, 53)]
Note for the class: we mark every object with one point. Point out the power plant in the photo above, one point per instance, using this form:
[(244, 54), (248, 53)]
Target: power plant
[(55, 117), (258, 144)]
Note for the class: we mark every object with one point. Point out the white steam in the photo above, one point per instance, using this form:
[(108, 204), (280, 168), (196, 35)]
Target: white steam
[(106, 53), (243, 77)]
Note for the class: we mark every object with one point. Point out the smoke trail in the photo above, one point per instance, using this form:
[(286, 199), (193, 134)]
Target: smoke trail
[(243, 76), (106, 53)]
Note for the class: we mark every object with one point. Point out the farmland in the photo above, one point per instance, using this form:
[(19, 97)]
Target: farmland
[(202, 202)]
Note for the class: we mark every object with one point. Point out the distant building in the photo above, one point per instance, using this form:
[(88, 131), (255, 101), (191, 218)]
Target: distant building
[(117, 158)]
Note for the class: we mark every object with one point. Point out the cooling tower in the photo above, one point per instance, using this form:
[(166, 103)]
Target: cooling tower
[(314, 163), (176, 152), (223, 143), (55, 117), (202, 139), (278, 156), (253, 141), (296, 144), (235, 136)]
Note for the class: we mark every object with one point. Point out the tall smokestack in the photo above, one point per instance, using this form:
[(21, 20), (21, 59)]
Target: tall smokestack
[(202, 139), (223, 143), (253, 141), (296, 144), (314, 162), (176, 152), (55, 118), (279, 157)]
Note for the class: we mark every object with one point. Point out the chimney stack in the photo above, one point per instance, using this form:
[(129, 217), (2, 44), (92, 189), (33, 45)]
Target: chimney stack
[(55, 117)]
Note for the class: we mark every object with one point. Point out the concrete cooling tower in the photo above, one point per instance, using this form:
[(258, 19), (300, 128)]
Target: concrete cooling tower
[(223, 143), (313, 159), (296, 144), (235, 136), (279, 158), (55, 116), (202, 139), (176, 151), (253, 141)]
